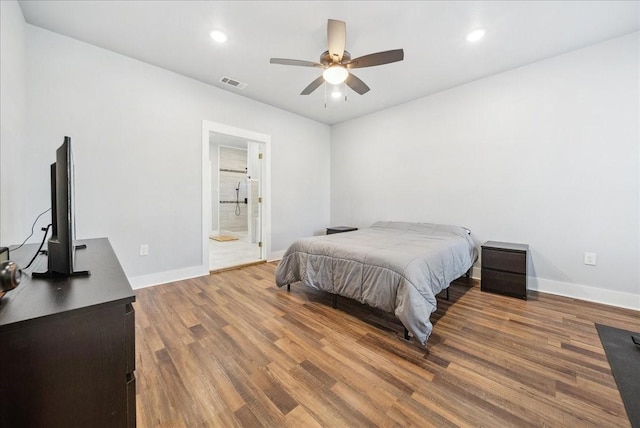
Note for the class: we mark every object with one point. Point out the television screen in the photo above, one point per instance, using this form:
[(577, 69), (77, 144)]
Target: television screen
[(61, 250)]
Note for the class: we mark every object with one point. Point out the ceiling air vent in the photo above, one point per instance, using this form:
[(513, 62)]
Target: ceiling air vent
[(231, 82)]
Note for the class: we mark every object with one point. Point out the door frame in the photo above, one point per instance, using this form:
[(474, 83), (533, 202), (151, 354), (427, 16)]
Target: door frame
[(207, 128)]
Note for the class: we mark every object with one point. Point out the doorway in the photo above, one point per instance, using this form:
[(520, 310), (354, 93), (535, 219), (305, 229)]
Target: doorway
[(235, 196)]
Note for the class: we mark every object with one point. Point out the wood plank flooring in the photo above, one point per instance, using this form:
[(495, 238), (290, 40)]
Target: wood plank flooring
[(232, 349)]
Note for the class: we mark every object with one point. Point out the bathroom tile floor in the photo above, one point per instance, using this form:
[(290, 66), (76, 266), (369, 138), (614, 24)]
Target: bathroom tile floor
[(232, 253)]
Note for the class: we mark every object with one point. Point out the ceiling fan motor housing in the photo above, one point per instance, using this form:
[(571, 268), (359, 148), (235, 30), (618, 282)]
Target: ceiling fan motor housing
[(325, 58)]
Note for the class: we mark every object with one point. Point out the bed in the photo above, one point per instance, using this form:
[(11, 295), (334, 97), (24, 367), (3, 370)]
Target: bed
[(398, 267)]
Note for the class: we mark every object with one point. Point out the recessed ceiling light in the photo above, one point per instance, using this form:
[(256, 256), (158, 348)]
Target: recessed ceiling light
[(476, 35), (336, 94), (218, 36)]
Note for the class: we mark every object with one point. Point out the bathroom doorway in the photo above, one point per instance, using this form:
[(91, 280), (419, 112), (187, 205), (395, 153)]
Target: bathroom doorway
[(235, 199), (235, 236)]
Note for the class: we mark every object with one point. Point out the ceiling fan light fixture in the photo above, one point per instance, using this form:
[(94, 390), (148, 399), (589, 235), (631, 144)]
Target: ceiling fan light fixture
[(218, 36), (476, 35), (335, 74)]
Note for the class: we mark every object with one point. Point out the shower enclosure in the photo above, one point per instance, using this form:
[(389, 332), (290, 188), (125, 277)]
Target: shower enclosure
[(240, 214), (233, 191)]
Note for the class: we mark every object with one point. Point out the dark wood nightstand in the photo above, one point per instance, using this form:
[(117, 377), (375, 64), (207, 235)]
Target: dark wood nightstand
[(504, 268), (340, 229)]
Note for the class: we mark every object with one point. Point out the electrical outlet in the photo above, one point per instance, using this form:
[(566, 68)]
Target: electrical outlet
[(144, 250), (590, 259)]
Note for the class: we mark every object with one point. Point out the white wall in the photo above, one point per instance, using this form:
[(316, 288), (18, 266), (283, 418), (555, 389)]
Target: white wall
[(546, 154), (136, 134), (13, 118)]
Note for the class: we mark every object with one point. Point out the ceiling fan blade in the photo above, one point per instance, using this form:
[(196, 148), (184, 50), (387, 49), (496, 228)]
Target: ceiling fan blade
[(299, 62), (313, 86), (337, 38), (378, 58), (356, 84)]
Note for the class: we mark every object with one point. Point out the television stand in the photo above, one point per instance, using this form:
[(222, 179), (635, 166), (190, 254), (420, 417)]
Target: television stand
[(50, 274), (75, 247)]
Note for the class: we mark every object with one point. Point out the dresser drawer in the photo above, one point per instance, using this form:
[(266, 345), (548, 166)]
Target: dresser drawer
[(510, 261), (131, 401), (130, 337), (510, 284)]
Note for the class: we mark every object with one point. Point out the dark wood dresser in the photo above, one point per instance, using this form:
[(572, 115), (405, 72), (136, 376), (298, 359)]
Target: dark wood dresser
[(504, 268), (67, 346)]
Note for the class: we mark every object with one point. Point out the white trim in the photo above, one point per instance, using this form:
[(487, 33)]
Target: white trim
[(217, 189), (277, 255), (578, 291), (207, 128), (584, 292), (143, 281), (475, 272)]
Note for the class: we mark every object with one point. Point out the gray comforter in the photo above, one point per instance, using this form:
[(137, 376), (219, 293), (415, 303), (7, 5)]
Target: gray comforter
[(394, 266)]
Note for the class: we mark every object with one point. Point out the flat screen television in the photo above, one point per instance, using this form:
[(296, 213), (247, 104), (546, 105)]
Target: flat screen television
[(60, 247)]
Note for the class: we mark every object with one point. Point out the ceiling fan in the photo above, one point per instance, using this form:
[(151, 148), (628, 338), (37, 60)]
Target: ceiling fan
[(337, 62)]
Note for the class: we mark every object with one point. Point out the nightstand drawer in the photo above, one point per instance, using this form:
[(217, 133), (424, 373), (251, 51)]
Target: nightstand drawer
[(507, 283), (510, 261)]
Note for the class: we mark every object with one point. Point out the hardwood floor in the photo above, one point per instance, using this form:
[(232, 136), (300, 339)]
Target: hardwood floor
[(232, 349)]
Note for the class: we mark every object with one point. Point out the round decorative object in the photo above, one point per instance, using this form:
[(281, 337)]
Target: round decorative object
[(10, 275)]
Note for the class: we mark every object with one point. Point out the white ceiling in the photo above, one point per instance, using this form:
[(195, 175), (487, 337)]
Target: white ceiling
[(175, 36)]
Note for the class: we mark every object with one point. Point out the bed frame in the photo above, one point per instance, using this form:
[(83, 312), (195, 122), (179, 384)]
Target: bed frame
[(334, 302)]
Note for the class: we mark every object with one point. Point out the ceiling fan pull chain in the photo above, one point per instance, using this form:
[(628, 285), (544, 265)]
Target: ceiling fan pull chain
[(325, 96)]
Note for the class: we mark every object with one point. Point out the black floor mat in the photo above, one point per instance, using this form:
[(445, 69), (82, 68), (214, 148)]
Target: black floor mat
[(624, 359)]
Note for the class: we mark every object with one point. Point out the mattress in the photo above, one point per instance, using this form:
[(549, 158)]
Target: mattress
[(398, 267)]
